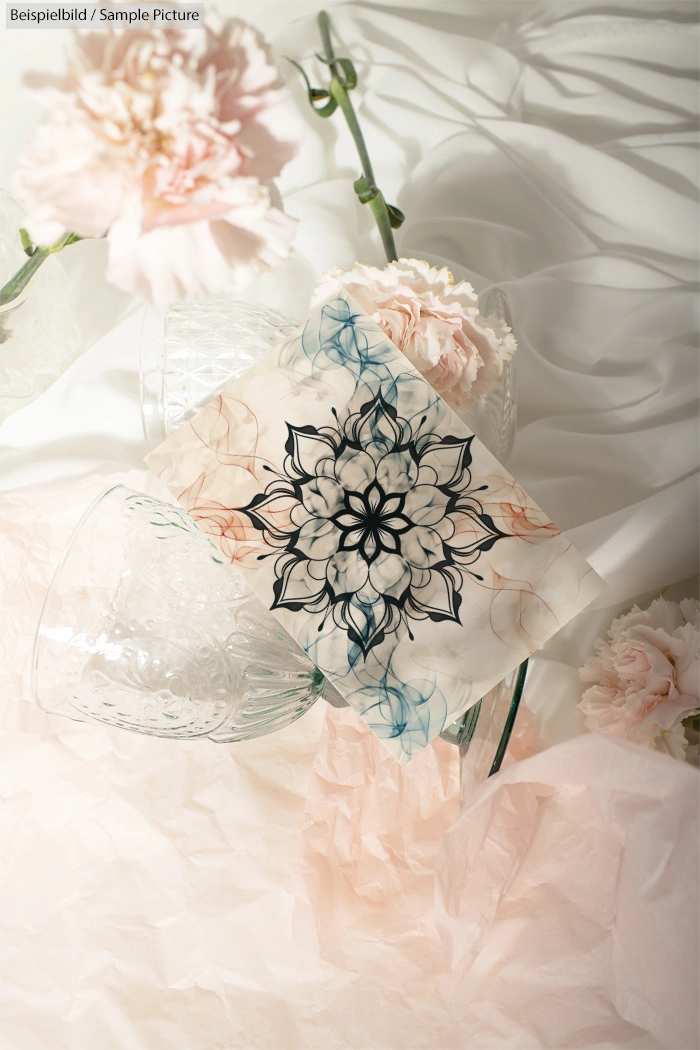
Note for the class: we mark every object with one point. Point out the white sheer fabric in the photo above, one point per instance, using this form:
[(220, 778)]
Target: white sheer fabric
[(151, 895)]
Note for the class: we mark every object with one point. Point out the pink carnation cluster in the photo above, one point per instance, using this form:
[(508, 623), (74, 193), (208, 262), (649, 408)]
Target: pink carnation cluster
[(164, 140), (433, 321), (645, 676)]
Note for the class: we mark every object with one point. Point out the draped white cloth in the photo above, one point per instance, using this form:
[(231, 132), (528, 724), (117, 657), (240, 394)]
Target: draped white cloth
[(155, 893)]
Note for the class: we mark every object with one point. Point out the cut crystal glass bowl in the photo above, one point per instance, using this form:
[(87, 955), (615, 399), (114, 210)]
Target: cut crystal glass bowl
[(146, 628)]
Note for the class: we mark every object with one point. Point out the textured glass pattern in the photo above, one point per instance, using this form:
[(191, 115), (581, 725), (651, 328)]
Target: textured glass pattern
[(146, 628), (38, 335), (191, 351), (494, 416)]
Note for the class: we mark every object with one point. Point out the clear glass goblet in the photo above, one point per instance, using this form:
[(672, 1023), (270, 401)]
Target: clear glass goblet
[(146, 628)]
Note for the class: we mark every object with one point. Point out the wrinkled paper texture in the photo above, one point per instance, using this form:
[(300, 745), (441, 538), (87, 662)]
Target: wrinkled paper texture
[(566, 891)]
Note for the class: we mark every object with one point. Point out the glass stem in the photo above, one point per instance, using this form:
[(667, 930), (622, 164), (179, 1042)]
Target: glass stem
[(510, 718)]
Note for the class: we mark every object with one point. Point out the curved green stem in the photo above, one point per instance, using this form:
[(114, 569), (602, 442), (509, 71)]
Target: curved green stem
[(19, 281), (381, 217), (375, 197), (370, 192), (339, 93), (324, 24)]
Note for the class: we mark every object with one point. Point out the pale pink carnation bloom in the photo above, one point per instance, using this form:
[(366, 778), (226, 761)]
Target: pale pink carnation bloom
[(645, 676), (164, 140), (433, 321)]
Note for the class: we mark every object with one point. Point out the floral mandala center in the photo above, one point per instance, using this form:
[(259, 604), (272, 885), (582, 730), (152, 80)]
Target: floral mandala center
[(372, 522)]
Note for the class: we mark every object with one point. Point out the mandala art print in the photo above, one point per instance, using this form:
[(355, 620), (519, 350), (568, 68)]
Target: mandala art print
[(397, 551)]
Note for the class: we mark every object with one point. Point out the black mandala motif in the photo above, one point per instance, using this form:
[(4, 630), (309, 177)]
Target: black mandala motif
[(373, 523)]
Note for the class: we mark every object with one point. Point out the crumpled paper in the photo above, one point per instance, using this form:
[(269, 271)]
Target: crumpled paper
[(572, 880), (368, 848), (565, 891)]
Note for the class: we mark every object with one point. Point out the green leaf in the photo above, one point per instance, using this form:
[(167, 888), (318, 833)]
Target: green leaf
[(328, 110), (26, 242), (396, 216), (316, 94), (349, 78), (350, 75)]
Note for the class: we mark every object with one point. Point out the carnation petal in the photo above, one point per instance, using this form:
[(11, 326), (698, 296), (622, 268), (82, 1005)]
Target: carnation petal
[(644, 676), (197, 259), (176, 126), (432, 320)]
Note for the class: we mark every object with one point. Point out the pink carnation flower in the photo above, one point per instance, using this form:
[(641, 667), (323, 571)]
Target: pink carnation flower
[(645, 676), (433, 321), (164, 140)]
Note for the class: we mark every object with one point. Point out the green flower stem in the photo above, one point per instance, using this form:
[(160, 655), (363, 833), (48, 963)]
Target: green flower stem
[(21, 279), (376, 202), (381, 217), (17, 283), (324, 24), (339, 94)]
